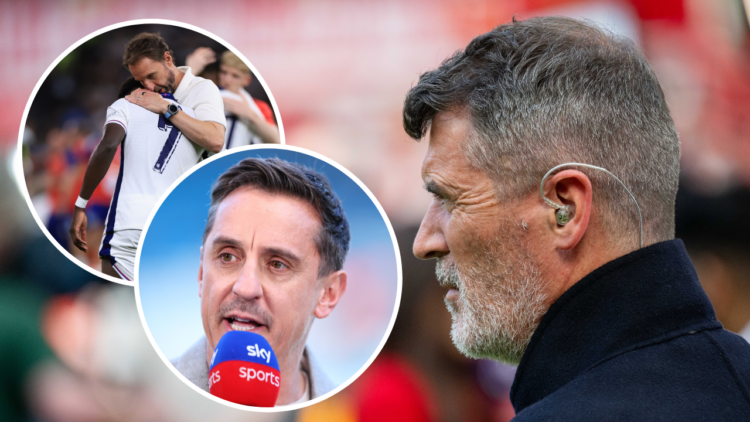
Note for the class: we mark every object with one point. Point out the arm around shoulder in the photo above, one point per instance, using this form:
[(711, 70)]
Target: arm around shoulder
[(208, 127), (209, 135)]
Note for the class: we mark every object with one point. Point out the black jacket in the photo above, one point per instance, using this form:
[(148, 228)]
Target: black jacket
[(635, 340)]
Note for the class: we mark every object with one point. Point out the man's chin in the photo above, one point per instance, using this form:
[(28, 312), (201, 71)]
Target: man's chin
[(475, 344)]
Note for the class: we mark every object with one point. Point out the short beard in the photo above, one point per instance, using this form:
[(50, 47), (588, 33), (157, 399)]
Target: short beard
[(501, 299), (169, 87), (170, 82)]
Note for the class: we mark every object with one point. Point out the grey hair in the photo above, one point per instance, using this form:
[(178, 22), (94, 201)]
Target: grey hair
[(550, 90)]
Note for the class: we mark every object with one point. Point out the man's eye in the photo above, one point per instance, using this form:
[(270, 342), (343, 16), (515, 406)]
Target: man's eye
[(278, 265), (227, 257), (440, 198)]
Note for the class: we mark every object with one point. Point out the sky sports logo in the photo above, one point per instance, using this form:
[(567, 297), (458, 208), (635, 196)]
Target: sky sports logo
[(213, 357), (213, 379), (251, 374), (248, 374), (253, 351), (261, 353)]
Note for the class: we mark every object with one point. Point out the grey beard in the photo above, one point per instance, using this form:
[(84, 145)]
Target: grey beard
[(499, 305)]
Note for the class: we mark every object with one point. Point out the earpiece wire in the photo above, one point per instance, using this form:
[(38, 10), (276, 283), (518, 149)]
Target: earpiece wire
[(557, 206)]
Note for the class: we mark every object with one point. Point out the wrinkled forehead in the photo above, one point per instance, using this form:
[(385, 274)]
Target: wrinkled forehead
[(252, 211), (449, 134), (447, 169)]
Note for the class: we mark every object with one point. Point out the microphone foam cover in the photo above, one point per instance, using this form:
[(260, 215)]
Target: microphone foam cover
[(244, 370)]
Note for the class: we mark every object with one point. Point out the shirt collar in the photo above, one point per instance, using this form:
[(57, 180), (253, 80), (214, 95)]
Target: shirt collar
[(306, 395), (633, 301), (187, 79), (745, 333)]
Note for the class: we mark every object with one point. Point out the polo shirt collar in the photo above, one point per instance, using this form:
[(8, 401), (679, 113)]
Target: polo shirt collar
[(187, 79)]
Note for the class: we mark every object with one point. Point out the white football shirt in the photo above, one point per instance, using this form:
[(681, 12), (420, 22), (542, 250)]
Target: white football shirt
[(153, 155), (238, 131)]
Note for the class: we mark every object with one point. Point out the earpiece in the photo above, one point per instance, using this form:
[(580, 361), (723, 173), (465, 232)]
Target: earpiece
[(563, 213)]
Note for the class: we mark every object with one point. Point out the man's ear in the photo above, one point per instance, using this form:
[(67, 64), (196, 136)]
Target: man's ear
[(333, 288), (571, 188), (200, 276), (246, 81), (168, 59)]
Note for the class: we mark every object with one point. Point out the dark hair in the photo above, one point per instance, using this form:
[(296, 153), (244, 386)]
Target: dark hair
[(551, 90), (128, 86), (281, 177), (143, 45)]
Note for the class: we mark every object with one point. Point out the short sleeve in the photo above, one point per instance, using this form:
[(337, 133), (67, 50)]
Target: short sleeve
[(210, 107), (117, 113)]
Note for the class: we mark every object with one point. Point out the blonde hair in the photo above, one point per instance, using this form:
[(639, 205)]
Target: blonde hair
[(230, 59)]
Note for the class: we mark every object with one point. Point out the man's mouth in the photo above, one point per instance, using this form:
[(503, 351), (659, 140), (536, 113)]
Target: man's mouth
[(452, 294), (448, 277), (243, 324)]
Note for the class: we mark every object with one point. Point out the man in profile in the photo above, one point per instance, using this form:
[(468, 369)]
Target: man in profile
[(271, 274), (603, 313)]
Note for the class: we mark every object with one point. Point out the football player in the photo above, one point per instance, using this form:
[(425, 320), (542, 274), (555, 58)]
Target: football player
[(154, 153), (249, 121)]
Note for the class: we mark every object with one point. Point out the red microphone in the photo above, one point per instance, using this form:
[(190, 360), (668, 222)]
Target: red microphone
[(244, 370)]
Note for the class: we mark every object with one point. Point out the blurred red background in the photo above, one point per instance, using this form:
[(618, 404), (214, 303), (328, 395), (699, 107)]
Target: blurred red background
[(339, 72)]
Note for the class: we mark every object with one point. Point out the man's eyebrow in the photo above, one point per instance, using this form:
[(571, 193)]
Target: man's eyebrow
[(284, 253), (222, 241)]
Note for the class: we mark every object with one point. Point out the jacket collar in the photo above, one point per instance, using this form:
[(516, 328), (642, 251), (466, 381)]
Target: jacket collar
[(319, 382), (642, 298)]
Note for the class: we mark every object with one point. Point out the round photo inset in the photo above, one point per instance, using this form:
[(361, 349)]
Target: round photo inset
[(119, 117), (267, 277)]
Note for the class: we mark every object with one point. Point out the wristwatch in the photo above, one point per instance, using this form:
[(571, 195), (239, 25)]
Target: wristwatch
[(172, 109)]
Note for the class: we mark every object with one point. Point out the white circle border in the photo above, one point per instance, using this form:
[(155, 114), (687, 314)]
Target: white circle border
[(20, 176), (399, 278)]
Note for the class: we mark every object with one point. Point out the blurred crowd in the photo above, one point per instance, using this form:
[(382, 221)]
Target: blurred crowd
[(74, 346)]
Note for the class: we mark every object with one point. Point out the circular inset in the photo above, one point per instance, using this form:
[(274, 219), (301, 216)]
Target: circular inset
[(266, 257), (116, 119)]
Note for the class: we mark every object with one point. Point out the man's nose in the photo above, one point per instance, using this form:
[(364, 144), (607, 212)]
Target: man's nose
[(247, 285), (430, 241), (149, 85)]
